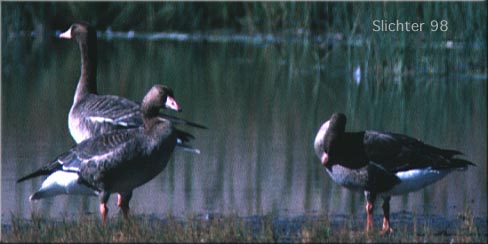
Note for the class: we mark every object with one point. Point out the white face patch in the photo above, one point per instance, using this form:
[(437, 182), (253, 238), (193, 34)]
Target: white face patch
[(324, 159), (66, 34), (171, 104)]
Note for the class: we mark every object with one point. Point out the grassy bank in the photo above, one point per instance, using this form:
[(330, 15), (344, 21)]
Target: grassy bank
[(464, 229)]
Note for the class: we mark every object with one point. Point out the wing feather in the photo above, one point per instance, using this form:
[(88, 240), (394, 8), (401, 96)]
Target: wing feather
[(397, 152)]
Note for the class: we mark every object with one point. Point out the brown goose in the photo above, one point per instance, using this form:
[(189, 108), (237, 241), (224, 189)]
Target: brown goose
[(92, 114), (381, 164), (117, 162)]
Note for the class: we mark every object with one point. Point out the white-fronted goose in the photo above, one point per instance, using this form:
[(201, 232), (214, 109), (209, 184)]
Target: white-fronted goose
[(92, 114), (381, 164), (117, 162)]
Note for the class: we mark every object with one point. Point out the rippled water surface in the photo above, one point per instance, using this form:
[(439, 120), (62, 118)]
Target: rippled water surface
[(263, 104)]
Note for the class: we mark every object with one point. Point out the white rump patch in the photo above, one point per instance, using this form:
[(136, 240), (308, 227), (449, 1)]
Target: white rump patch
[(416, 179), (61, 182)]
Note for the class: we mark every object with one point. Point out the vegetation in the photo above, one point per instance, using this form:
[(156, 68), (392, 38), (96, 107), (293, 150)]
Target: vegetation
[(384, 54), (265, 229), (468, 19)]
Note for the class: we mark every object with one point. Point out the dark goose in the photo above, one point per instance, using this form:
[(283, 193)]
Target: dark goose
[(92, 114), (117, 162), (380, 163)]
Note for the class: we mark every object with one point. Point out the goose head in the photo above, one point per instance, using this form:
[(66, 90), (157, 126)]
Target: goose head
[(159, 96), (327, 136), (81, 31)]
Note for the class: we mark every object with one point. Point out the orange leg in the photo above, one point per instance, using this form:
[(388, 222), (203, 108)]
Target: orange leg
[(104, 211), (369, 220), (103, 206), (370, 197), (123, 203), (119, 200), (386, 216)]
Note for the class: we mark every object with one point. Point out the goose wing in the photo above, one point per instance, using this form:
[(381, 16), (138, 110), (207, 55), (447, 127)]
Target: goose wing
[(114, 110), (113, 147), (101, 149), (122, 112), (397, 152)]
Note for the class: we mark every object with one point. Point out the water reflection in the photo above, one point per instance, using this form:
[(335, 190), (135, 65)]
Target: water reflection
[(263, 106)]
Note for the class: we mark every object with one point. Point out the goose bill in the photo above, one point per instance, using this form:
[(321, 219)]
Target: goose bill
[(66, 34), (324, 158), (171, 104)]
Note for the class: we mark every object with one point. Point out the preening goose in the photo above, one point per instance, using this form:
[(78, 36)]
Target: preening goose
[(381, 164)]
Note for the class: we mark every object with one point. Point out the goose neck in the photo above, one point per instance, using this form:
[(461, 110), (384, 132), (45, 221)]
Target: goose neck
[(87, 83)]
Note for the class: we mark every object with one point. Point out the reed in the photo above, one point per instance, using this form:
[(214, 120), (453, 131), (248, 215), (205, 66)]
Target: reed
[(384, 54), (348, 18)]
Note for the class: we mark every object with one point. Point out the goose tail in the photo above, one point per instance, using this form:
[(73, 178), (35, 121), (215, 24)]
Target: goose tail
[(460, 164), (187, 148), (181, 121), (46, 170)]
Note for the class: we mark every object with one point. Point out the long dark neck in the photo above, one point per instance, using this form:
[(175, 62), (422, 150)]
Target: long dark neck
[(149, 115), (88, 79)]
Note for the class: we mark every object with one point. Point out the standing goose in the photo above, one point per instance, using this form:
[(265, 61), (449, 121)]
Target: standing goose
[(117, 162), (92, 114), (379, 163)]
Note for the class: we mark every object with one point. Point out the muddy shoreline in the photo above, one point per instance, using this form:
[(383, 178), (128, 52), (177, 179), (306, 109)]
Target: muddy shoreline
[(285, 229)]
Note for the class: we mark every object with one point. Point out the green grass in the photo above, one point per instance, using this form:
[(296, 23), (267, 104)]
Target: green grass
[(264, 229)]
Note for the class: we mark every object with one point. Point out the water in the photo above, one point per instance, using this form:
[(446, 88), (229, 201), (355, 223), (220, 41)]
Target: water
[(263, 105)]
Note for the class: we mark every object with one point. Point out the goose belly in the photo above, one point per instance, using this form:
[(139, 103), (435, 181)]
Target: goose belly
[(355, 180), (416, 179), (410, 181), (140, 172), (61, 182)]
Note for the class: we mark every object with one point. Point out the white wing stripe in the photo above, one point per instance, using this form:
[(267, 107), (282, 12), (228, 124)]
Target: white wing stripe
[(101, 119), (106, 120), (127, 116)]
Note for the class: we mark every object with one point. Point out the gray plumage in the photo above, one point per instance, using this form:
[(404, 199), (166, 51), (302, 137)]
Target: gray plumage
[(92, 114), (120, 161), (381, 163)]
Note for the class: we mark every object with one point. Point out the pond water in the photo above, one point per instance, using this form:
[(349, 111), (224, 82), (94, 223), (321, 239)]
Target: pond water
[(263, 105)]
